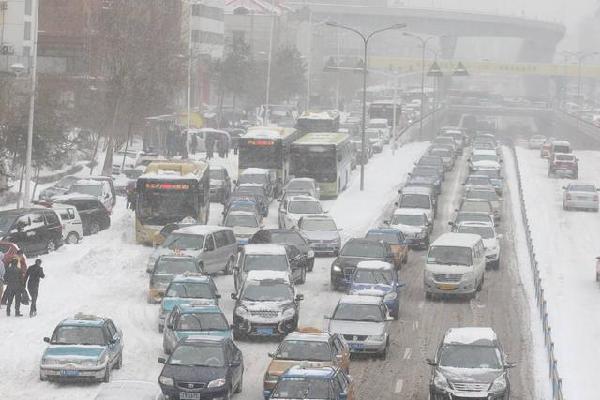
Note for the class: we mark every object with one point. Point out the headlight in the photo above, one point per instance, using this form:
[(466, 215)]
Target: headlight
[(289, 313), (216, 383), (377, 338), (311, 254), (165, 381), (336, 268), (422, 234), (468, 276), (499, 385), (440, 381), (241, 311), (390, 296)]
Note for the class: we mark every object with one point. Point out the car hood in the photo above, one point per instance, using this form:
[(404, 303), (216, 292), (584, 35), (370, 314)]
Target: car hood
[(321, 235), (180, 335), (278, 367), (244, 230), (480, 375), (356, 327), (74, 352), (425, 211), (195, 373), (266, 305), (371, 289), (409, 228)]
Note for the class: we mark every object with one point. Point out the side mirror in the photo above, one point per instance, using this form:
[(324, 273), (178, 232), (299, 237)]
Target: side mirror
[(299, 297), (217, 296), (47, 339), (233, 296), (430, 362), (510, 365), (170, 326), (162, 360)]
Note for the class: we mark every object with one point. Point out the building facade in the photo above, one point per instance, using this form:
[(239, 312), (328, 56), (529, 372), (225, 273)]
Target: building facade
[(16, 32)]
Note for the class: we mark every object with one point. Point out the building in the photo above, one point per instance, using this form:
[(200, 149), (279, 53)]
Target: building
[(16, 32)]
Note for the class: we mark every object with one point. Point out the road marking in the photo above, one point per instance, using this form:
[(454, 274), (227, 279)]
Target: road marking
[(399, 385), (407, 353)]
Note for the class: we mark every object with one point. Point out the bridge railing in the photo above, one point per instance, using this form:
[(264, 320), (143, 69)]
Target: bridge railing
[(542, 305)]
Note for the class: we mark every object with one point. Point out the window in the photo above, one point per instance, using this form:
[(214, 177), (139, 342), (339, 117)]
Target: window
[(230, 237), (112, 331), (210, 243), (37, 221), (52, 218), (27, 7), (220, 238), (27, 30)]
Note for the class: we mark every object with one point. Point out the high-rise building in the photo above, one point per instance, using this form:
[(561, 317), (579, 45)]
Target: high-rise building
[(16, 32)]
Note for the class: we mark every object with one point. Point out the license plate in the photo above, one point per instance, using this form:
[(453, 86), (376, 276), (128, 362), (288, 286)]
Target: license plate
[(69, 372), (357, 346), (264, 331), (446, 286), (189, 396)]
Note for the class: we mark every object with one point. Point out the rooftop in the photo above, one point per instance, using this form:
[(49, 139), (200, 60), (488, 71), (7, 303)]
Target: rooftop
[(264, 249), (359, 299), (457, 239), (471, 335), (375, 265)]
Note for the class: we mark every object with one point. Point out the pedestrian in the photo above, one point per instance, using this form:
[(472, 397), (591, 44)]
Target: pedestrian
[(210, 144), (34, 274), (194, 143), (2, 272), (14, 287), (221, 147)]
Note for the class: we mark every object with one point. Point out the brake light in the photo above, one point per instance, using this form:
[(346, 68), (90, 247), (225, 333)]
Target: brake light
[(568, 196)]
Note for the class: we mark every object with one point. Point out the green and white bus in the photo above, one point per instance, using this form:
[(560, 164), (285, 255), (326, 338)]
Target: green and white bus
[(326, 157)]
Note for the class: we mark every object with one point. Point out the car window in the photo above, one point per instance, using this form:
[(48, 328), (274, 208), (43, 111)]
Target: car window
[(230, 237), (220, 238), (37, 221), (342, 382), (210, 243), (52, 218), (112, 331)]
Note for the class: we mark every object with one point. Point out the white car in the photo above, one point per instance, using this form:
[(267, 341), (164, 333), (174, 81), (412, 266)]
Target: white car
[(381, 124), (291, 209), (99, 189), (485, 159), (244, 225), (72, 227), (491, 239), (583, 196), (414, 225), (537, 141)]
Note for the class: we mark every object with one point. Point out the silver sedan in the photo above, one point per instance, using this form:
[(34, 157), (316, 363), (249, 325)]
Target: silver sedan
[(580, 196)]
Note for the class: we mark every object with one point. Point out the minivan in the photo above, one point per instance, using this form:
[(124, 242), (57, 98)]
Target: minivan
[(35, 230), (72, 226), (455, 265)]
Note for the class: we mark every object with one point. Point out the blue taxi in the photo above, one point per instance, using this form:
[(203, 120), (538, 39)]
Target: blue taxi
[(324, 383), (378, 278)]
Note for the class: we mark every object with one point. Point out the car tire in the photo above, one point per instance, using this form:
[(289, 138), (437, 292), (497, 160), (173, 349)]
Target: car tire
[(497, 264), (50, 246), (119, 362), (94, 228), (228, 267), (480, 286), (72, 238), (240, 385), (384, 353), (42, 379), (106, 378)]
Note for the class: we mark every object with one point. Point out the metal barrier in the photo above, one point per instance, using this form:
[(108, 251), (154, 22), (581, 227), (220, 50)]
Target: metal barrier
[(555, 378)]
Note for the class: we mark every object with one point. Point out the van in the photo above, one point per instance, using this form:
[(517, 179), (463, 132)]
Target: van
[(99, 189), (455, 265), (111, 185), (35, 230), (72, 226), (560, 146), (417, 198)]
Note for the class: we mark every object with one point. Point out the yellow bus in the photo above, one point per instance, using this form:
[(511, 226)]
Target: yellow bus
[(168, 192), (326, 157)]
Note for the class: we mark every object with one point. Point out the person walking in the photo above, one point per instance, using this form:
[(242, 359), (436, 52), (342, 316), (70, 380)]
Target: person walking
[(14, 288), (34, 273), (2, 272), (210, 144)]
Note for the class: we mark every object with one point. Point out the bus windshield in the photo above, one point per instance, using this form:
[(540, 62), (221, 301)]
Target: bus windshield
[(319, 165), (260, 154), (160, 207)]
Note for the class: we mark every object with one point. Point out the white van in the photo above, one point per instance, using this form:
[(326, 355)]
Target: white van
[(72, 227), (455, 265)]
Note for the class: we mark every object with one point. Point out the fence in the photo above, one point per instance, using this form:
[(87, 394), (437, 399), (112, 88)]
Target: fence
[(555, 379)]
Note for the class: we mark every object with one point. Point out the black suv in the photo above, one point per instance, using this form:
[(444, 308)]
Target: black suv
[(220, 184), (286, 236), (94, 216), (353, 252), (202, 367), (35, 230)]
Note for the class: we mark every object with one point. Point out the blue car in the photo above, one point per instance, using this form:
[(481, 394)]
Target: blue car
[(184, 289), (299, 382), (84, 347), (378, 278), (198, 318)]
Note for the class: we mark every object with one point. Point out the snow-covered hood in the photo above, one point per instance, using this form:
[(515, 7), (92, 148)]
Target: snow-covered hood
[(474, 375), (426, 179), (490, 243), (244, 231), (486, 164), (344, 327), (425, 211), (75, 353), (161, 251), (266, 305), (409, 228), (321, 235), (446, 269), (371, 289)]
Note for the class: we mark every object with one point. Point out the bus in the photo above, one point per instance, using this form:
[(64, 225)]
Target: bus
[(268, 147), (326, 121), (326, 157), (168, 192), (384, 109)]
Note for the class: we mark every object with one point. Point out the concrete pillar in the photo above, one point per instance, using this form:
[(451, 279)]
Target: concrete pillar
[(533, 51)]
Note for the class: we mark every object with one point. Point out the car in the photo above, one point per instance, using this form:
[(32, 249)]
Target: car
[(290, 237), (85, 347), (129, 389), (161, 236), (416, 199), (185, 289), (266, 305), (484, 159), (429, 175), (99, 189), (257, 193), (471, 216), (375, 138), (458, 135), (258, 176), (495, 176), (202, 367), (486, 193), (432, 161), (306, 186), (580, 196), (165, 269), (244, 224), (491, 239), (34, 230), (395, 238), (477, 180), (383, 125), (123, 160), (415, 226), (353, 252), (244, 199), (195, 318), (469, 360), (446, 141), (363, 322), (322, 234), (308, 350), (446, 154), (59, 188), (545, 148), (479, 206), (560, 146), (536, 141), (220, 184), (378, 278), (563, 165), (72, 225), (300, 382), (94, 215), (291, 209)]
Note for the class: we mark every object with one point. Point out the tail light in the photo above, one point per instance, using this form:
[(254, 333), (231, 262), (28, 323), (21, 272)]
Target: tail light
[(568, 196)]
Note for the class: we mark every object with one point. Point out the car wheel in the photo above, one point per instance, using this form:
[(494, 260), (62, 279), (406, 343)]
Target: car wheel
[(50, 246), (42, 378), (497, 264), (384, 353), (106, 378), (228, 267), (72, 238), (94, 228), (240, 385), (119, 363)]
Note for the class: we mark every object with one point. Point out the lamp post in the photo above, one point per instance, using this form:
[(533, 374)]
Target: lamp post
[(269, 64), (423, 49), (366, 37)]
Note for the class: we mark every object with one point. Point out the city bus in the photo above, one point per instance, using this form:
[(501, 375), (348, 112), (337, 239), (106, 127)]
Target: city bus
[(325, 157), (168, 192), (268, 147), (384, 109), (326, 121)]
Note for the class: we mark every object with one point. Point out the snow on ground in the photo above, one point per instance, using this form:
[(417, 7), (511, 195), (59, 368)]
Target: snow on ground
[(566, 246), (105, 274)]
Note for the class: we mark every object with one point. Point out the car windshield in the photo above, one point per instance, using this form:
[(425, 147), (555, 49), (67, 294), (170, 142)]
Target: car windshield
[(85, 335), (420, 171), (365, 249), (300, 186), (190, 290), (204, 356), (373, 277), (302, 389), (478, 181), (184, 242), (491, 173), (170, 266), (483, 231), (385, 237), (247, 221), (305, 207), (217, 174), (470, 356), (305, 350), (6, 221), (476, 206), (265, 262), (482, 194), (253, 178), (358, 312), (431, 161), (202, 322), (412, 220), (582, 188), (484, 157), (251, 190), (414, 201), (318, 225), (290, 237), (441, 152), (562, 149), (93, 190), (474, 217), (561, 157), (449, 255), (267, 291)]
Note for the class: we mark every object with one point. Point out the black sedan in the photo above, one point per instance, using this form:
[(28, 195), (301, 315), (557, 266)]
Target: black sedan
[(286, 236)]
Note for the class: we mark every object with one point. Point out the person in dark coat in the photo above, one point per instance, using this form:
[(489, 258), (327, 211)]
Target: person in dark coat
[(210, 144), (14, 287), (193, 144), (35, 272)]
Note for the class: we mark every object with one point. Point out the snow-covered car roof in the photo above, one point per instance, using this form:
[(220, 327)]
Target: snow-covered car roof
[(308, 337), (360, 299), (409, 211), (200, 229), (235, 212), (88, 182), (191, 278), (255, 171), (561, 143), (475, 224), (378, 121), (301, 180), (73, 196), (484, 152), (265, 249), (374, 265), (259, 276), (302, 197), (471, 335), (457, 239)]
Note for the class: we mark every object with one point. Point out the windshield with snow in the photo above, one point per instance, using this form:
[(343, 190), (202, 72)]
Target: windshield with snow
[(190, 290), (246, 221), (198, 355), (450, 255), (305, 207), (308, 350), (363, 249), (415, 201), (318, 225), (373, 276), (358, 312), (178, 241), (84, 335), (267, 291), (466, 356), (203, 322), (265, 262)]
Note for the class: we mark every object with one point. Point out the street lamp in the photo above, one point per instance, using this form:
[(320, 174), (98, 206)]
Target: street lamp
[(365, 38), (423, 48)]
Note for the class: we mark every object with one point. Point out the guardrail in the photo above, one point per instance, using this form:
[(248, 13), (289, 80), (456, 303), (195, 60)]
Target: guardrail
[(557, 393)]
